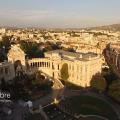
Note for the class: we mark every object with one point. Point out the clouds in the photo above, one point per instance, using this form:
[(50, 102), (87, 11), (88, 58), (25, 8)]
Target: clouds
[(25, 15), (50, 18), (58, 13)]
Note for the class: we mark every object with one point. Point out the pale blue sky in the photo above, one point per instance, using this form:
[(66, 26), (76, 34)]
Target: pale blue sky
[(59, 13)]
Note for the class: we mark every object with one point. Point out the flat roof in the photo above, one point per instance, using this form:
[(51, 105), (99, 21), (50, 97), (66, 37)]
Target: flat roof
[(77, 55)]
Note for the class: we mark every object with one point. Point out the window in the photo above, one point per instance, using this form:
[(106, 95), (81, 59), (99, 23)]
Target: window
[(86, 68), (52, 66), (77, 68), (53, 74), (49, 64), (70, 67), (77, 76), (58, 67), (81, 69), (73, 67)]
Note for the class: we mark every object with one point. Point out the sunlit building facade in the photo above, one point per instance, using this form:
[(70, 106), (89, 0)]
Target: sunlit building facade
[(112, 57), (81, 66)]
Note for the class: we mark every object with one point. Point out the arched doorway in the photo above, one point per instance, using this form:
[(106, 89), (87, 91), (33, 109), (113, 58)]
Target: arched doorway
[(18, 68)]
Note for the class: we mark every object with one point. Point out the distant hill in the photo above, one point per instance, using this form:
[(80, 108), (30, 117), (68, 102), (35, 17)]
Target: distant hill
[(114, 27)]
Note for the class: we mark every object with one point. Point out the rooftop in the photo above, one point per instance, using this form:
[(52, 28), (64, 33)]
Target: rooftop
[(114, 47), (75, 55)]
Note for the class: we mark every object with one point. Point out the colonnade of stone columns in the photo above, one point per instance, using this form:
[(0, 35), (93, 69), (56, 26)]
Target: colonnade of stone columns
[(40, 64)]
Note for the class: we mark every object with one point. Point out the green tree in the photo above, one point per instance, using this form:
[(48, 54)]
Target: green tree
[(4, 47), (98, 82), (40, 82), (64, 72), (38, 79), (6, 42), (114, 90), (109, 76), (31, 49)]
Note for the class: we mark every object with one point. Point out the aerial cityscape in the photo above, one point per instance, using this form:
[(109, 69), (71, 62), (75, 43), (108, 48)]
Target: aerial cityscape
[(59, 60)]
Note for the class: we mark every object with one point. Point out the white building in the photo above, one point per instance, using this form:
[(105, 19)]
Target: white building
[(2, 30), (81, 66)]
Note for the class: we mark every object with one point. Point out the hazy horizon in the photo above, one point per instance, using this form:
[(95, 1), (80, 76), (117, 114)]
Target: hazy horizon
[(59, 13)]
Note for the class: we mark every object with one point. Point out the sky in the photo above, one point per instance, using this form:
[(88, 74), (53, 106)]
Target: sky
[(59, 13)]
